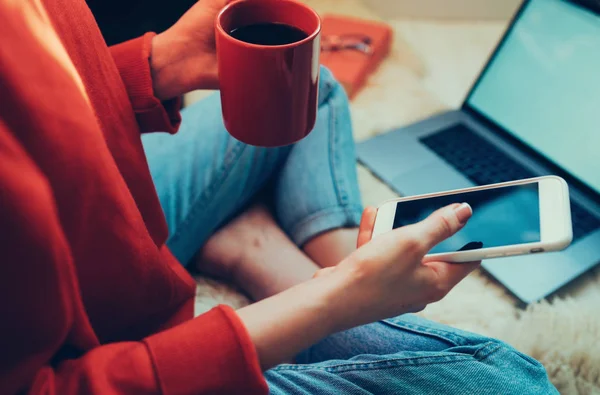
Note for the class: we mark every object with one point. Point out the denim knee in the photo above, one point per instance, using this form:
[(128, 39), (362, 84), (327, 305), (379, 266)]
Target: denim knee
[(494, 361), (512, 371), (490, 367)]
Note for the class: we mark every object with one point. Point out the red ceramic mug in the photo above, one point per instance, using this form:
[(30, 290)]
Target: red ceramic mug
[(268, 92)]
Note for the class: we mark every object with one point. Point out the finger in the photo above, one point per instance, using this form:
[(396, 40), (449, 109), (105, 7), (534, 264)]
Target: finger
[(417, 309), (447, 275), (441, 225), (365, 230), (323, 272)]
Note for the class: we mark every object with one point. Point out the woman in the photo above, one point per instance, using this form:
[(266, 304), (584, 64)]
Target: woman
[(93, 296)]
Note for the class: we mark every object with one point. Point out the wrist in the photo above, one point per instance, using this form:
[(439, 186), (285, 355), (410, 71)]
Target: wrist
[(328, 297), (178, 66), (164, 57), (285, 324), (346, 300)]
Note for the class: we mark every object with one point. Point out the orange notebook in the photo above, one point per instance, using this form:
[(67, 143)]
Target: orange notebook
[(353, 49)]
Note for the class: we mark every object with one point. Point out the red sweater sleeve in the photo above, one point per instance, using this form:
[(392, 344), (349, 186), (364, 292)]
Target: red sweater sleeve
[(132, 60), (210, 354), (43, 316)]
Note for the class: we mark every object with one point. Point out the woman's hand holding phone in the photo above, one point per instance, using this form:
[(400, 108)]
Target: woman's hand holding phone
[(387, 277), (384, 277)]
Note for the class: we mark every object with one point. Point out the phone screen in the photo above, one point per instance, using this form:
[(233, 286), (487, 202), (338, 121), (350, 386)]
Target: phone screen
[(501, 217)]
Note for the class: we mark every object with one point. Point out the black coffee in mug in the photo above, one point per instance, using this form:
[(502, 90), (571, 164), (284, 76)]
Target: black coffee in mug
[(268, 34)]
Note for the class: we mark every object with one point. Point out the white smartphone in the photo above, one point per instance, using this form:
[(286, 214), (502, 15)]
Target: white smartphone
[(512, 218)]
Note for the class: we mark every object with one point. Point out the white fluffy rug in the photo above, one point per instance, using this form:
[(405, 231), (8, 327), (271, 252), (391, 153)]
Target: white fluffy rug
[(424, 75)]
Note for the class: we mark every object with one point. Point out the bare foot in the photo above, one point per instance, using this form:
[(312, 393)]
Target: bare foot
[(253, 252)]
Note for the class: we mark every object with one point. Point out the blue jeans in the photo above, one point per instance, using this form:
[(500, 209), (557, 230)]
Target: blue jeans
[(204, 177)]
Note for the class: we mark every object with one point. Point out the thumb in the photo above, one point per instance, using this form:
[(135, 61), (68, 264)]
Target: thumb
[(365, 230), (442, 224)]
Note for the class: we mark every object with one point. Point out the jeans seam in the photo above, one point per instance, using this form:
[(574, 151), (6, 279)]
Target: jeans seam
[(378, 365), (230, 160), (493, 348), (487, 349), (449, 336)]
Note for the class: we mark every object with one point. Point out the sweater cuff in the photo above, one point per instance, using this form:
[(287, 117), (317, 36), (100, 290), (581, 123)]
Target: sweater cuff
[(211, 354), (133, 61)]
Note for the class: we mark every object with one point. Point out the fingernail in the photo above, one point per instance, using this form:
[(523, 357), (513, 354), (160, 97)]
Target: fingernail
[(463, 213)]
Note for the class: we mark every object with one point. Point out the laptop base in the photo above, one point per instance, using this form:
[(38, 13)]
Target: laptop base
[(403, 161)]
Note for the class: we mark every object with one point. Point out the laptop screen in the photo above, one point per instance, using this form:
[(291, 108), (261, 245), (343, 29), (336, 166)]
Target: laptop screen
[(543, 85)]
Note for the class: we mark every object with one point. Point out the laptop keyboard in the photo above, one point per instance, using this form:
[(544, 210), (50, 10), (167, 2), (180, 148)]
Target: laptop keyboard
[(483, 163)]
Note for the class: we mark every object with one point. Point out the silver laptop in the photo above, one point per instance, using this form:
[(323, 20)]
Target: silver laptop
[(534, 110)]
